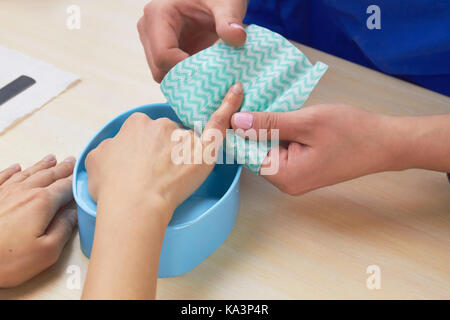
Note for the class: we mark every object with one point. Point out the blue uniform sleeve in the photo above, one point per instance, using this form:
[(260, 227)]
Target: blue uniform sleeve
[(413, 42)]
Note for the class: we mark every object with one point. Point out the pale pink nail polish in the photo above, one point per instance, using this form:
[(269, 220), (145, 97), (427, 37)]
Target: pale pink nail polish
[(236, 26), (243, 120), (49, 158), (70, 159)]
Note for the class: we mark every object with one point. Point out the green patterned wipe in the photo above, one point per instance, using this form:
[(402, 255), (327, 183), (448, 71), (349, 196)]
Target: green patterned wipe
[(276, 77)]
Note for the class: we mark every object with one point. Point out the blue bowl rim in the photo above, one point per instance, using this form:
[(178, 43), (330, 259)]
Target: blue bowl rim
[(93, 214)]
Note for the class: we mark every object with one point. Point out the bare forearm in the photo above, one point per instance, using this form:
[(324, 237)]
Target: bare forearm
[(425, 142), (125, 255)]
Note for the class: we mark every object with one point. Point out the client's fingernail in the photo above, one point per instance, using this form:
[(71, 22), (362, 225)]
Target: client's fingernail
[(237, 88), (70, 159), (243, 120), (266, 161), (236, 26), (49, 158), (15, 166)]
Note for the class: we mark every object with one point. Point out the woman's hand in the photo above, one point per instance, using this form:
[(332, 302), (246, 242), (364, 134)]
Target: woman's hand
[(142, 162), (171, 30), (327, 144), (138, 180), (35, 222)]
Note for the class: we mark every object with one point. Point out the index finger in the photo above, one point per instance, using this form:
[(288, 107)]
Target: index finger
[(221, 118), (220, 121), (162, 30)]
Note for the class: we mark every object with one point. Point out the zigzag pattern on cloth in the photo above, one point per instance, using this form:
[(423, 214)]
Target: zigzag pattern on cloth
[(276, 77)]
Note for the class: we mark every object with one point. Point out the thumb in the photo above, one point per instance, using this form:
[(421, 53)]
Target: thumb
[(228, 16), (288, 124)]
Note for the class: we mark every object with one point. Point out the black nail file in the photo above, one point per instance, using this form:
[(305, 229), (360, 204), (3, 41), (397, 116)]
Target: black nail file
[(15, 87)]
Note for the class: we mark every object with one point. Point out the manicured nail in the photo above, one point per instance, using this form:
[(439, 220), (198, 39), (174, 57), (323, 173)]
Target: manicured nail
[(15, 166), (243, 120), (237, 88), (49, 158), (236, 26), (266, 161), (70, 159)]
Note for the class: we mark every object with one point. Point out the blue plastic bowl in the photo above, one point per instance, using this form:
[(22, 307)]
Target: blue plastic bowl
[(198, 226)]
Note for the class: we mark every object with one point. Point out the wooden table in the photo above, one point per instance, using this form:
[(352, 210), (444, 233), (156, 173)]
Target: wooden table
[(318, 245)]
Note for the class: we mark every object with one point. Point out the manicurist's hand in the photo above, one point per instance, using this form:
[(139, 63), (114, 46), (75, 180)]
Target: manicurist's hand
[(171, 30), (327, 144), (138, 179), (35, 219)]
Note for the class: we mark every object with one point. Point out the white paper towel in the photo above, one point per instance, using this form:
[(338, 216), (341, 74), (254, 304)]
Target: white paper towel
[(50, 82)]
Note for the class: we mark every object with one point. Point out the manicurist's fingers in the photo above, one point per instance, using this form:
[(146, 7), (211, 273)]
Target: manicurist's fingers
[(162, 26), (284, 163), (157, 74), (9, 172), (229, 16), (290, 126), (47, 162), (144, 40), (46, 177)]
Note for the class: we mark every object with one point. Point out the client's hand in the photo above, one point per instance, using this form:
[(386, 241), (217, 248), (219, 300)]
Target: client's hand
[(138, 178), (35, 222)]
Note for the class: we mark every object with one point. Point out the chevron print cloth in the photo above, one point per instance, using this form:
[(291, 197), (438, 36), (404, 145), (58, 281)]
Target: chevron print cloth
[(276, 77)]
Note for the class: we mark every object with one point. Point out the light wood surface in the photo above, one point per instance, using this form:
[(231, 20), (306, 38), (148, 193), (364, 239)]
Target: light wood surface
[(313, 246)]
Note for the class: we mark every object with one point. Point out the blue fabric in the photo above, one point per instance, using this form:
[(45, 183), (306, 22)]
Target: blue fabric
[(413, 43)]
